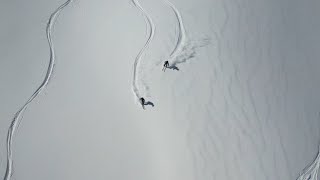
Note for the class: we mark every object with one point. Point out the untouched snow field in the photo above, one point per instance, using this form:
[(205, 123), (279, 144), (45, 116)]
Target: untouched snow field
[(240, 99)]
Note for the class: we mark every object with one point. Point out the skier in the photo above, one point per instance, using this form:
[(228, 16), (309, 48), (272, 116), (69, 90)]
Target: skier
[(142, 101), (165, 65)]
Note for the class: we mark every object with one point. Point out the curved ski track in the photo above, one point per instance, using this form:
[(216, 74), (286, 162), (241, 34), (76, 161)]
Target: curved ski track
[(151, 29), (182, 32), (184, 49), (18, 115)]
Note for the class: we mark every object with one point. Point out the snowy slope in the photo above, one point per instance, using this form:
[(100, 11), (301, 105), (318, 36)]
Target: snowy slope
[(243, 104)]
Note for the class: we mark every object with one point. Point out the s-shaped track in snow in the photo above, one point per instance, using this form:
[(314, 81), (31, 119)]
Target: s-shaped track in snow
[(18, 115), (151, 30)]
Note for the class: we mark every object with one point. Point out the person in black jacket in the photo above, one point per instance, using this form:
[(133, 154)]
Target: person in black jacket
[(142, 101), (165, 66)]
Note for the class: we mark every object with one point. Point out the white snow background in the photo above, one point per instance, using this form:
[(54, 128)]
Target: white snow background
[(244, 103)]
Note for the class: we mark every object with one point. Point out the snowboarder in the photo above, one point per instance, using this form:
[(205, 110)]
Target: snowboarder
[(142, 101), (165, 66)]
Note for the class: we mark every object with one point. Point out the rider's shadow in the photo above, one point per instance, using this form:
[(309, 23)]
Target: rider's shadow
[(174, 67), (149, 103)]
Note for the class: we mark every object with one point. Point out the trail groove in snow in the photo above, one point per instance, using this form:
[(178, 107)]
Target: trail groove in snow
[(182, 32), (18, 115), (151, 30), (184, 49)]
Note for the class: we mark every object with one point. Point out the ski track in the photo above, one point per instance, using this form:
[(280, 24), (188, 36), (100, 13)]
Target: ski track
[(18, 115), (182, 32), (177, 52), (311, 172), (151, 30), (184, 49)]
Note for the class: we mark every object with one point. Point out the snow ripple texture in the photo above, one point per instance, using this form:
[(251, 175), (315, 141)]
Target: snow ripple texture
[(18, 115), (311, 172), (142, 90)]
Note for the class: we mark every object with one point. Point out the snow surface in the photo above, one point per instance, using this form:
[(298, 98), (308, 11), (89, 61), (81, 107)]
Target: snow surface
[(240, 100)]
